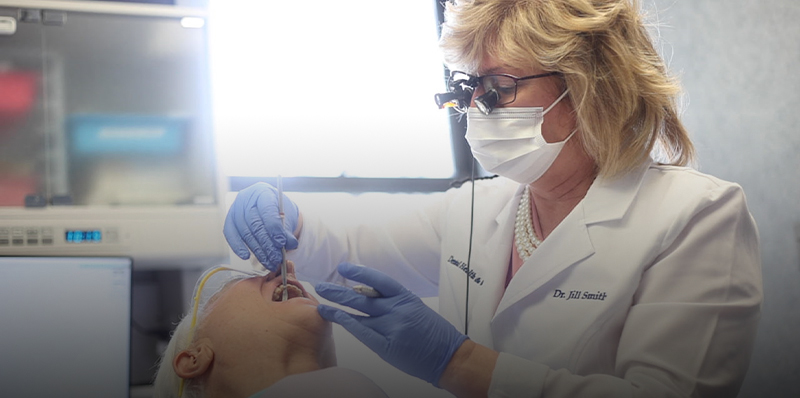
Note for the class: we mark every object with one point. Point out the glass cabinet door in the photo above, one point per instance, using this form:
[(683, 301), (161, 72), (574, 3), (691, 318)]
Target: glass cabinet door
[(22, 111), (119, 115)]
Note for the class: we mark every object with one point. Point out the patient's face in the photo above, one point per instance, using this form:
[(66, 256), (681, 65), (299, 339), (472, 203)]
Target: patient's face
[(244, 320)]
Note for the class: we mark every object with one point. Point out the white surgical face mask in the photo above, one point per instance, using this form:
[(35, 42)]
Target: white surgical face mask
[(509, 141)]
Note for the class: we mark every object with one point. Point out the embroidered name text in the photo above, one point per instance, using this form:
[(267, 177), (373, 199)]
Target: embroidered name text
[(579, 295), (463, 266)]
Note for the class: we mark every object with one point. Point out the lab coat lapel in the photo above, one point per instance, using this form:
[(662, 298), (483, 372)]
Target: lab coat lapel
[(491, 250), (497, 241), (491, 256), (570, 242), (566, 245), (500, 240)]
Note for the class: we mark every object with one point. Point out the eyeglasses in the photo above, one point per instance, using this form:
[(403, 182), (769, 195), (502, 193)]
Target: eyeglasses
[(499, 89)]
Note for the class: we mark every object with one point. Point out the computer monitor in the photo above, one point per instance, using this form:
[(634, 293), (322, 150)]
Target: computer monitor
[(65, 326)]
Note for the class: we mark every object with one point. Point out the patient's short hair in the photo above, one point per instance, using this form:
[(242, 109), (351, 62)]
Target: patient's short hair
[(167, 382)]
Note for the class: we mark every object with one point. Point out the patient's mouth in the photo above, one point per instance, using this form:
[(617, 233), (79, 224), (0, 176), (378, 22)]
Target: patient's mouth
[(293, 290)]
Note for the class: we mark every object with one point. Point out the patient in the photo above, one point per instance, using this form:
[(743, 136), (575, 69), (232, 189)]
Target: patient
[(247, 343)]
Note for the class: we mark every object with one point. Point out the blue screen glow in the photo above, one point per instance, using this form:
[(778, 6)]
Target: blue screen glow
[(84, 236)]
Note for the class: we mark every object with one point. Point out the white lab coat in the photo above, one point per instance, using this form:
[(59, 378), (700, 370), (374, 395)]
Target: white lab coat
[(650, 287)]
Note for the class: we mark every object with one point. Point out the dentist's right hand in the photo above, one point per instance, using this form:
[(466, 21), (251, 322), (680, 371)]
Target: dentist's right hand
[(254, 224)]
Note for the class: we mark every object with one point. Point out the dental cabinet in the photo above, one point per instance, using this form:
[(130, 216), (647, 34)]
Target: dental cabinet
[(106, 143)]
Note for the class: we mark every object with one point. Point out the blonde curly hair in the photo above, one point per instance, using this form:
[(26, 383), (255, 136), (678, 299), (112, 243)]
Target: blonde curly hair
[(624, 99)]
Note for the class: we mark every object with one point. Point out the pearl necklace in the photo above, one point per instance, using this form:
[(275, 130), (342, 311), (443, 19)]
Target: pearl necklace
[(524, 235)]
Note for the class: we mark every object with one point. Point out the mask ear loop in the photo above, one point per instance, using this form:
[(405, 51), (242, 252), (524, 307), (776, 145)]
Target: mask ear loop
[(196, 299), (560, 97)]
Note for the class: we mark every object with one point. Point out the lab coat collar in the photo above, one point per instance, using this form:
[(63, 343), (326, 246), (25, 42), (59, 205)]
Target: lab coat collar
[(510, 206), (607, 199), (610, 199)]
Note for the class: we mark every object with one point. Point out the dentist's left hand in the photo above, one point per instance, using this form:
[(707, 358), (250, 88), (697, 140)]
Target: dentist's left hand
[(399, 327), (254, 224)]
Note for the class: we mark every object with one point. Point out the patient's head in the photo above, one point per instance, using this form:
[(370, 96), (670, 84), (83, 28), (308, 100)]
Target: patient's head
[(245, 340)]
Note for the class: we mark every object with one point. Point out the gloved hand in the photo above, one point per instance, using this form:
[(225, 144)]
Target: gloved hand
[(400, 328), (253, 222)]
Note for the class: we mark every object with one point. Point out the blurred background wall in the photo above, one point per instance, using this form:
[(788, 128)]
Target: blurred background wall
[(739, 62)]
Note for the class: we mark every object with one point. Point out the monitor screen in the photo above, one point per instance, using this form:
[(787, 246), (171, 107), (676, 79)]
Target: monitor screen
[(65, 326)]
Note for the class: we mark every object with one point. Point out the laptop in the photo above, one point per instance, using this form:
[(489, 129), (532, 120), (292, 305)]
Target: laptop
[(65, 326)]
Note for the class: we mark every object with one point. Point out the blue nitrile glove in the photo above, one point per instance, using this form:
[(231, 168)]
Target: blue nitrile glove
[(254, 223), (399, 327)]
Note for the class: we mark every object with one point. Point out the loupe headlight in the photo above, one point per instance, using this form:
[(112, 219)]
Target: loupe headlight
[(449, 99), (459, 96), (486, 102)]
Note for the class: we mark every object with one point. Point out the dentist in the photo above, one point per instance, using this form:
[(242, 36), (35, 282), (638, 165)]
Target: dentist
[(598, 264)]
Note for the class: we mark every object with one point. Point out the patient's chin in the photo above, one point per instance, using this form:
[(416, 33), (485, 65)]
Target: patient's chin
[(294, 292)]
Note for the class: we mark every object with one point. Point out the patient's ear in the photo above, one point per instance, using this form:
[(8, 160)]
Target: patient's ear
[(193, 361)]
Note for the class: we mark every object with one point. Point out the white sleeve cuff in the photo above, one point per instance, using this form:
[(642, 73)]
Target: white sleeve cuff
[(517, 377)]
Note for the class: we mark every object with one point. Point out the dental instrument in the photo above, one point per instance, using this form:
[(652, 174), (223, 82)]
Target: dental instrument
[(367, 291), (283, 249)]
